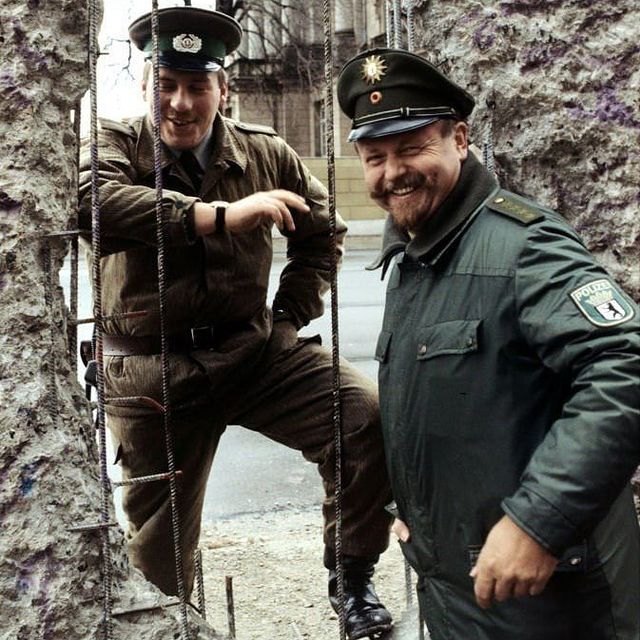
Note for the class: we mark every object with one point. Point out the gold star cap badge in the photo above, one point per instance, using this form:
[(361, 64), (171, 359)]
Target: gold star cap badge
[(373, 69)]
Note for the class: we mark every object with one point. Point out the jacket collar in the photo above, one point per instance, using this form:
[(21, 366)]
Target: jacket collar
[(475, 185), (225, 146)]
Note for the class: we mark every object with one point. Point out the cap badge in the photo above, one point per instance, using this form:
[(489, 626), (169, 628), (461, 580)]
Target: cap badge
[(187, 43), (375, 97), (373, 69)]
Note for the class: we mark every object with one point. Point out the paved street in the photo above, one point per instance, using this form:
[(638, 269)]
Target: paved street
[(251, 474)]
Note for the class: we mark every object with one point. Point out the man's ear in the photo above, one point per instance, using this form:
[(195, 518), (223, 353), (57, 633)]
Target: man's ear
[(224, 95), (146, 78), (460, 136)]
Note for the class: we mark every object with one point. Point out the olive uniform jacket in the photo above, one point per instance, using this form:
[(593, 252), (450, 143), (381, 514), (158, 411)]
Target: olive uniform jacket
[(219, 279), (510, 383)]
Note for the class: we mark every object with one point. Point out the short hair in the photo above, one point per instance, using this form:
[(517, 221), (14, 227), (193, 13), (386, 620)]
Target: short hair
[(448, 126), (222, 75)]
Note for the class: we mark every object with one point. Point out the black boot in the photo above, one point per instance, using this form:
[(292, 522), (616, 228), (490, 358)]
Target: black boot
[(365, 615)]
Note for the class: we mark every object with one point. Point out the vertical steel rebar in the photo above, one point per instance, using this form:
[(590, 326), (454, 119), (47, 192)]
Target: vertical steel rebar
[(411, 24), (48, 285), (107, 568), (72, 327), (162, 299), (397, 24), (408, 582), (231, 612), (335, 337), (200, 584), (487, 150), (390, 23)]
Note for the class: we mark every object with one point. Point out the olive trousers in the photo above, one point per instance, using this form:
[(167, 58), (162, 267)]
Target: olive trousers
[(287, 397)]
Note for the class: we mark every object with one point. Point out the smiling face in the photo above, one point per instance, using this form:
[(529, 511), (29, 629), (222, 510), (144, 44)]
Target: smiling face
[(410, 174), (189, 101)]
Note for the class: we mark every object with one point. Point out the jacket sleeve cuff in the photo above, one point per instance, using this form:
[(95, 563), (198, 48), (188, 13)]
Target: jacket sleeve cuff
[(180, 224), (541, 520)]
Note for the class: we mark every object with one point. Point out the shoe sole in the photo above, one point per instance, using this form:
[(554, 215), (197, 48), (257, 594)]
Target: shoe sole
[(374, 633)]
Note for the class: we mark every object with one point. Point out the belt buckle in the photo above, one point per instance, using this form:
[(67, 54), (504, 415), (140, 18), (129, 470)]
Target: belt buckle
[(201, 337)]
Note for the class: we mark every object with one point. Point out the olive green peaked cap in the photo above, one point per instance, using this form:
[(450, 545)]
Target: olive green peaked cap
[(189, 39), (387, 91)]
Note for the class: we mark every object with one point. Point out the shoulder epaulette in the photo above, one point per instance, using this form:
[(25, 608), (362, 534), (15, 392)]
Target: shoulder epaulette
[(514, 207), (254, 128), (120, 127)]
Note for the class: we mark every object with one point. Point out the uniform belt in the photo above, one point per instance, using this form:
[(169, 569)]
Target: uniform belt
[(207, 337)]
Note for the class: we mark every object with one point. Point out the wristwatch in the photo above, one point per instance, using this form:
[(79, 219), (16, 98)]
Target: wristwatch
[(220, 208)]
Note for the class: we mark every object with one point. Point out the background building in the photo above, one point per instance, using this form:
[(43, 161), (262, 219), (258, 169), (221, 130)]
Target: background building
[(277, 79)]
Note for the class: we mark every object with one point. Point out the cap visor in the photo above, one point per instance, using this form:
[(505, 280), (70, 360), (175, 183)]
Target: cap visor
[(389, 127), (187, 62)]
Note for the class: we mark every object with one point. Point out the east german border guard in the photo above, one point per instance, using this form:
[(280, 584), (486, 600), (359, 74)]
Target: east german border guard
[(233, 359), (509, 380)]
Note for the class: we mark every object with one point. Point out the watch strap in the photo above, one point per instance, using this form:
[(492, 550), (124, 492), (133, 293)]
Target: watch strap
[(220, 209)]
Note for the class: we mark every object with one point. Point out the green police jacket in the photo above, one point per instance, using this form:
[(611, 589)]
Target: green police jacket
[(509, 383), (219, 279)]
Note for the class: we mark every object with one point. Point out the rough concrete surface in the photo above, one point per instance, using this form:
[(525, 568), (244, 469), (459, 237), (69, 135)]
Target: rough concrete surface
[(50, 578), (559, 80)]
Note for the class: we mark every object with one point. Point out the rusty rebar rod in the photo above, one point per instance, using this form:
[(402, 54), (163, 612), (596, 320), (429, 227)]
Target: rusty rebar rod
[(113, 316), (69, 233), (92, 527), (231, 613), (105, 487), (52, 387), (161, 243), (157, 477), (408, 582), (200, 582), (126, 401), (170, 602)]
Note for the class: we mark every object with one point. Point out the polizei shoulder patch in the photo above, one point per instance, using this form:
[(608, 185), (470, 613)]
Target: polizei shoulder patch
[(602, 303)]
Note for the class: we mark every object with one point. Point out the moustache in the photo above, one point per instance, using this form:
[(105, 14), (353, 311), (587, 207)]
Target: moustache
[(411, 181)]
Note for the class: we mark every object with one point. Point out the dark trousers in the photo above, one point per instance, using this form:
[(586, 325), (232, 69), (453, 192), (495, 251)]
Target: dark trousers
[(287, 397)]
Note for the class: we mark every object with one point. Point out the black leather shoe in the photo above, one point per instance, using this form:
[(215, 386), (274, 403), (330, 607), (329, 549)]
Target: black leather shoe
[(365, 615)]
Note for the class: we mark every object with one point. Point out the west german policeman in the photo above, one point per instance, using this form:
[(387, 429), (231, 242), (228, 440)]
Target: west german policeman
[(233, 359), (509, 380)]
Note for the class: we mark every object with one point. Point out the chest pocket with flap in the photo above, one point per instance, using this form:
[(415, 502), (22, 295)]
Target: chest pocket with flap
[(454, 337)]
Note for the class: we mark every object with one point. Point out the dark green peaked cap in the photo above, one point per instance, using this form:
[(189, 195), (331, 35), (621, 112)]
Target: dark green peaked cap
[(189, 38), (386, 91)]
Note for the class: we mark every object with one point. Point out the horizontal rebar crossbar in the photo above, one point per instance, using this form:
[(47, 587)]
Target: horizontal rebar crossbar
[(92, 527), (125, 401), (170, 602), (114, 316), (144, 479), (71, 233)]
